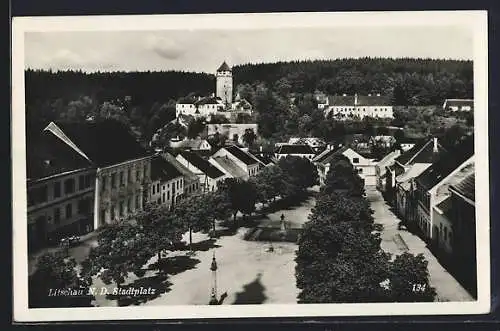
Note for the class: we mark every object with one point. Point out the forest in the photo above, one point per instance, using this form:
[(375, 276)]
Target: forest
[(146, 100)]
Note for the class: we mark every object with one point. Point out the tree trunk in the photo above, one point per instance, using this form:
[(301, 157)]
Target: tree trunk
[(191, 239)]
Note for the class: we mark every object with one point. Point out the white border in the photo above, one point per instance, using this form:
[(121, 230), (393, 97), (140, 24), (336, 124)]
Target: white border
[(475, 20)]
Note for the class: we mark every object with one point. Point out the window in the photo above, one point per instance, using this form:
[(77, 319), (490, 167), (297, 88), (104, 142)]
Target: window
[(112, 212), (82, 207), (69, 186), (168, 196), (163, 197), (445, 233), (113, 180), (136, 202), (81, 182), (88, 180), (69, 210), (355, 160), (43, 193), (103, 216), (122, 178), (57, 189), (145, 171), (360, 170), (122, 209), (129, 175), (137, 175), (57, 216), (154, 187)]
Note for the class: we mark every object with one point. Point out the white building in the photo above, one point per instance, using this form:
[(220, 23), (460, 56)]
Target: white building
[(303, 151), (458, 105), (346, 107), (209, 176), (167, 183), (243, 159)]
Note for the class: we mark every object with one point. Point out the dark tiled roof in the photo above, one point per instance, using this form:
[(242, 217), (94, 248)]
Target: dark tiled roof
[(263, 158), (295, 149), (466, 187), (241, 155), (206, 167), (162, 170), (447, 163), (208, 101), (421, 153), (224, 67), (180, 167), (363, 100), (105, 143), (46, 155), (329, 155)]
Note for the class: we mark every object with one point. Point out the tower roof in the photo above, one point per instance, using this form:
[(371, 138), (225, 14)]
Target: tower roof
[(224, 67)]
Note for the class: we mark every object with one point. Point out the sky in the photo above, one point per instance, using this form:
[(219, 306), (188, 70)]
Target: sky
[(204, 50)]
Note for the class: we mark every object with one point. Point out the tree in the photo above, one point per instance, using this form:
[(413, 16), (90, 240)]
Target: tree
[(249, 137), (241, 195), (160, 227), (189, 212), (302, 172), (196, 127), (409, 279), (54, 273), (122, 247), (217, 119), (269, 183)]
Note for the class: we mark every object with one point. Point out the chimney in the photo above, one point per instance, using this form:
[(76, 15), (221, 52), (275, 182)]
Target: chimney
[(355, 99), (435, 149)]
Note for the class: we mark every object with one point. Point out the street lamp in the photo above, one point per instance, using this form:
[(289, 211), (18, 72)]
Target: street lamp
[(213, 268)]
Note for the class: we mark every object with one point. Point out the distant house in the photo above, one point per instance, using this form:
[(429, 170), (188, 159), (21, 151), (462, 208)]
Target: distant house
[(383, 141), (241, 105), (167, 182), (344, 107), (365, 167), (191, 144), (316, 144), (458, 105), (231, 130), (406, 202), (380, 169), (191, 182), (304, 151), (426, 152), (243, 159), (432, 185), (200, 107), (209, 176), (123, 172)]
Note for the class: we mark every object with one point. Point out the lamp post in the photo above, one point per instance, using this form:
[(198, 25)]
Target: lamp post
[(213, 268)]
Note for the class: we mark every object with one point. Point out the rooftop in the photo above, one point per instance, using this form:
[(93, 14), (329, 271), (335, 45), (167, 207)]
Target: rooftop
[(295, 149), (388, 159), (447, 163), (104, 143), (231, 167), (46, 155), (224, 67), (421, 153), (458, 102), (466, 187), (243, 156), (162, 170), (179, 166), (206, 167), (328, 154)]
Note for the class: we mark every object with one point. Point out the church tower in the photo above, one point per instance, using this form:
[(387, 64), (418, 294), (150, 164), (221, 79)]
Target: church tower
[(224, 84)]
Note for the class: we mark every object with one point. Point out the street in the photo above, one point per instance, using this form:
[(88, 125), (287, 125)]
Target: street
[(396, 241)]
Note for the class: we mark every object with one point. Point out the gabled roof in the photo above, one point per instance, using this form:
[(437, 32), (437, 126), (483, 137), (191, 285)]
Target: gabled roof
[(47, 155), (231, 167), (295, 149), (447, 163), (388, 159), (179, 166), (327, 155), (265, 160), (243, 156), (466, 187), (421, 153), (414, 171), (162, 170), (224, 67), (206, 167), (104, 143), (194, 144)]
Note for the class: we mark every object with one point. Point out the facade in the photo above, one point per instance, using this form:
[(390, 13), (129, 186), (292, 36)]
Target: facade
[(381, 168), (201, 107), (243, 159), (432, 186), (167, 183), (123, 167), (60, 191), (208, 175), (458, 105), (358, 107), (405, 192), (224, 84), (191, 182)]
